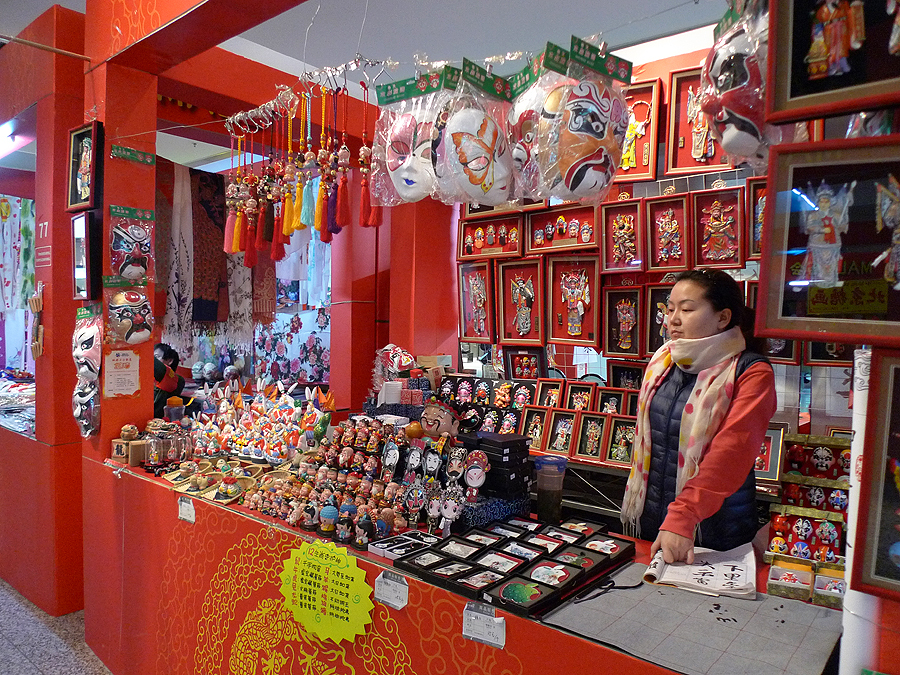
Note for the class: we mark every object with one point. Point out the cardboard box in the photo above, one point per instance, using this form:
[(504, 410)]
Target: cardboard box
[(137, 452), (429, 361)]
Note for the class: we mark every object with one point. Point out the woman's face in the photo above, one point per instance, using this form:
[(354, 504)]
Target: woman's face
[(691, 315)]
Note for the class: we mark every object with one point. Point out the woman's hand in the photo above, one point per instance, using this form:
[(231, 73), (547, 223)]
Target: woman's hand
[(675, 548)]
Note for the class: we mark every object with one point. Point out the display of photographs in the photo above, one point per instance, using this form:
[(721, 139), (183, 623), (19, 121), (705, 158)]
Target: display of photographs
[(427, 559), (520, 550), (483, 210), (622, 321), (558, 437), (755, 216), (476, 302), (533, 424), (580, 395), (877, 545), (566, 228), (657, 296), (690, 147), (573, 315), (490, 238), (768, 462), (451, 569), (85, 171), (550, 392), (641, 138), (611, 400), (520, 302), (459, 548), (506, 530), (752, 293), (583, 527), (625, 374), (718, 228), (822, 72), (782, 350), (524, 363), (553, 573), (622, 243), (482, 537), (829, 354), (667, 233), (620, 440), (589, 437), (502, 562), (832, 272)]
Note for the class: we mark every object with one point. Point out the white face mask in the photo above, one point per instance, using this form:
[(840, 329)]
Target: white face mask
[(479, 159), (408, 155)]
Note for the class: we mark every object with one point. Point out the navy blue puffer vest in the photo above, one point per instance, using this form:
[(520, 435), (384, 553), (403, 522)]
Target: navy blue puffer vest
[(735, 523)]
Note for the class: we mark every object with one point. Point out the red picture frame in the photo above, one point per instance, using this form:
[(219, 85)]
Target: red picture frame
[(718, 228), (552, 443), (782, 350), (542, 392), (85, 168), (575, 310), (639, 97), (829, 354), (668, 233), (585, 449), (490, 229), (754, 203), (583, 393), (688, 133), (656, 298), (561, 223), (529, 412), (622, 244), (622, 373), (472, 326), (752, 293), (622, 305), (528, 291), (617, 422), (611, 400)]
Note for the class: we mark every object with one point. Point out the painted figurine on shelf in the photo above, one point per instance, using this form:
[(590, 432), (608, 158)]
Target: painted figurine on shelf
[(611, 406), (838, 27), (310, 519), (623, 439), (327, 518), (634, 131), (702, 143), (344, 530), (626, 316), (624, 248), (433, 507), (440, 419), (477, 466), (592, 436), (509, 423), (719, 235), (482, 392), (580, 400), (823, 227), (364, 532), (536, 430), (576, 293), (522, 397), (464, 392), (669, 236), (490, 421), (316, 417), (887, 215), (522, 294), (452, 503), (477, 300)]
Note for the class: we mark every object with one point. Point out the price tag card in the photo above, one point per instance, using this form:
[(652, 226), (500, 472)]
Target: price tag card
[(186, 509), (392, 589), (480, 625)]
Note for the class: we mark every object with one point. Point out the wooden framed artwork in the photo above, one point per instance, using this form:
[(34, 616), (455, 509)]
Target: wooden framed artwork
[(520, 300), (525, 363), (476, 302), (625, 374), (752, 293), (782, 350), (668, 235), (690, 147), (484, 211), (573, 312), (611, 401), (839, 432), (590, 437), (655, 310), (642, 136), (622, 237), (565, 228), (755, 199), (718, 228), (87, 256), (85, 169), (768, 462), (533, 424), (580, 395), (550, 392), (620, 440), (832, 274), (816, 78), (490, 238), (622, 313), (877, 543), (836, 354), (631, 403), (558, 437)]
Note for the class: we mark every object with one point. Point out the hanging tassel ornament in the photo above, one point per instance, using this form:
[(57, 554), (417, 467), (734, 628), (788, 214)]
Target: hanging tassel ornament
[(251, 212), (242, 193), (308, 217), (333, 227), (231, 193), (322, 198), (365, 162), (296, 222), (343, 166)]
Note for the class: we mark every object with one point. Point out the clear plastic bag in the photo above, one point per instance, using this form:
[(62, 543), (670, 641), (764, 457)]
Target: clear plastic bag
[(87, 345), (131, 243), (130, 316)]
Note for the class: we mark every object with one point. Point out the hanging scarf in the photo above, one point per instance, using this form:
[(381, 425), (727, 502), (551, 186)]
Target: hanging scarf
[(714, 360)]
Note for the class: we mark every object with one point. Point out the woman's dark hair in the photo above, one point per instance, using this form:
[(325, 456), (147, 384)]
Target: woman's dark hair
[(723, 292), (168, 353)]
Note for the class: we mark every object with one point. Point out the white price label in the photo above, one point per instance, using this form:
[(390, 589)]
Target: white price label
[(186, 509), (480, 625), (392, 589)]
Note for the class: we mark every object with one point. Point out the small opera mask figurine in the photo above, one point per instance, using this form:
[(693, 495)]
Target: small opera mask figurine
[(86, 407), (477, 466), (452, 502)]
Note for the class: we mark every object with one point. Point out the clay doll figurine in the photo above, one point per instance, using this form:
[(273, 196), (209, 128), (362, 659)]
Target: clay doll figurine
[(400, 522), (452, 503), (327, 517), (385, 523), (456, 465), (343, 531), (345, 457), (310, 518), (433, 507), (477, 466), (296, 514), (439, 419), (365, 532)]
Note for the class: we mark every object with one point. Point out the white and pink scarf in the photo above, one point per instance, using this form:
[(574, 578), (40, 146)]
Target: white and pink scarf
[(714, 359)]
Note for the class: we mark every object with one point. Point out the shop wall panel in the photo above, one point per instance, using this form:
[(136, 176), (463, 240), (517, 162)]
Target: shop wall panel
[(17, 183)]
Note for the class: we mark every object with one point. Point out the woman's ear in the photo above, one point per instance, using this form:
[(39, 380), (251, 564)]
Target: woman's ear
[(724, 318)]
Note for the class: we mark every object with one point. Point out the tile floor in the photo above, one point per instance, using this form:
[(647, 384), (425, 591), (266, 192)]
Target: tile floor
[(34, 643)]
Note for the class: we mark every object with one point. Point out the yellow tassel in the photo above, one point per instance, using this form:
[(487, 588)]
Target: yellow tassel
[(320, 207), (297, 222), (288, 214), (238, 224)]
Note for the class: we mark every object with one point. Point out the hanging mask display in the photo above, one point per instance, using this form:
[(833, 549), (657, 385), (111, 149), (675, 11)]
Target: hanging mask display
[(131, 245), (86, 407), (130, 319), (87, 340)]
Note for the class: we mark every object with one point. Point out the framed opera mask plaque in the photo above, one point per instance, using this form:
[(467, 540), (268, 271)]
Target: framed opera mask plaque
[(479, 157), (621, 321), (87, 341)]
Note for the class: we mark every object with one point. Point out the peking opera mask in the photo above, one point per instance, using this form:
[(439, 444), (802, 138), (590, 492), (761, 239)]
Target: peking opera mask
[(131, 247), (479, 158), (86, 407), (593, 128), (130, 317), (86, 349), (408, 156), (523, 129)]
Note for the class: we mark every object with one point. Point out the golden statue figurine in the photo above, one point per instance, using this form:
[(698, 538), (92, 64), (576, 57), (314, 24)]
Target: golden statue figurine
[(719, 236), (576, 293)]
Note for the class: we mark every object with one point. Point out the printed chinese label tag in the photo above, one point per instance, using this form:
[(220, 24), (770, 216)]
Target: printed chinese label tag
[(186, 509), (480, 625), (392, 589)]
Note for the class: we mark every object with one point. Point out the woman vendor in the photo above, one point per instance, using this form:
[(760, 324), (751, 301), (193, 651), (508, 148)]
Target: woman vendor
[(703, 410)]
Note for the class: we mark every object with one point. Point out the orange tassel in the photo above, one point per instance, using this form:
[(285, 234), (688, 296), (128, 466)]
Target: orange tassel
[(320, 208), (228, 240)]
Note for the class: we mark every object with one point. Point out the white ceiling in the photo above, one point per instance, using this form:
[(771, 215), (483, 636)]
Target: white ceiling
[(403, 30)]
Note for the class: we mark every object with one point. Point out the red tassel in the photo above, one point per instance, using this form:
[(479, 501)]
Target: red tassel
[(245, 233), (250, 255), (261, 243), (365, 203), (374, 217), (343, 203), (326, 235)]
